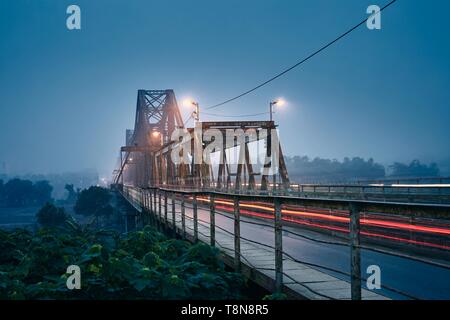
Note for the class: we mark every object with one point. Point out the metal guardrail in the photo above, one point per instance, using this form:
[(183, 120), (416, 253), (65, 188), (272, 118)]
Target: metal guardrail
[(412, 194), (155, 200), (421, 180)]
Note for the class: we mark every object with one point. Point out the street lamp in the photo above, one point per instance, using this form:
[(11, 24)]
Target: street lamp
[(196, 112), (278, 102)]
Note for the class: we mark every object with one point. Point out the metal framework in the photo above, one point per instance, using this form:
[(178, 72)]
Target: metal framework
[(157, 116), (242, 174), (146, 159)]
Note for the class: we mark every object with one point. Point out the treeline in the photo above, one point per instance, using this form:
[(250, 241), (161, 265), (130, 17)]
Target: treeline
[(319, 170), (413, 170), (22, 193)]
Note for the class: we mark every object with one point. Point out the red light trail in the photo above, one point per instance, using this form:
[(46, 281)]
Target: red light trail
[(290, 214)]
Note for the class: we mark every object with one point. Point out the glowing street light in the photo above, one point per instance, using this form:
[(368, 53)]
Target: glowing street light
[(196, 112), (155, 134), (278, 102)]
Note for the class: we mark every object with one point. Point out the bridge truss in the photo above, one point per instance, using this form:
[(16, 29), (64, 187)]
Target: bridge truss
[(146, 160)]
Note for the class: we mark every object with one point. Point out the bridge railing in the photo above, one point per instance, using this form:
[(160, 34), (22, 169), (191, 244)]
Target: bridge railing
[(403, 193), (168, 207)]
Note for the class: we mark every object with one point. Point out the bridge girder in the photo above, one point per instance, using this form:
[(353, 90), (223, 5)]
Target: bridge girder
[(146, 158)]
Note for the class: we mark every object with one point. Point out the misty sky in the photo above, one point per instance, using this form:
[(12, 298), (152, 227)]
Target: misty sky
[(66, 97)]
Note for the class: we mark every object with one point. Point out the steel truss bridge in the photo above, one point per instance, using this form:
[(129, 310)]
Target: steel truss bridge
[(308, 241)]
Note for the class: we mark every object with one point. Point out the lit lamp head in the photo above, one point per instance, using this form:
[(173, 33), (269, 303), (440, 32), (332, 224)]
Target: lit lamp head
[(189, 103), (155, 134), (279, 102)]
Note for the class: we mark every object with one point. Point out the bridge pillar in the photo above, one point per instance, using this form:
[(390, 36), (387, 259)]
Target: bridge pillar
[(237, 236), (159, 209), (174, 215), (212, 221), (150, 202), (183, 218), (154, 208), (195, 217), (166, 222), (278, 246), (355, 254)]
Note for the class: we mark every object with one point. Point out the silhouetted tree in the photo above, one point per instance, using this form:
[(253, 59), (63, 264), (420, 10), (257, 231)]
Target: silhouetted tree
[(51, 216), (93, 201), (42, 192), (414, 169), (319, 169), (72, 194), (18, 193)]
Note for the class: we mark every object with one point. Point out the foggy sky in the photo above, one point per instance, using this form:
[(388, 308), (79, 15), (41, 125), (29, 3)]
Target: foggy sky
[(66, 97)]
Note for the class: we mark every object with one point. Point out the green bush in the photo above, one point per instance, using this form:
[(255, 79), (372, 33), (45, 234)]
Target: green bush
[(141, 265), (51, 216)]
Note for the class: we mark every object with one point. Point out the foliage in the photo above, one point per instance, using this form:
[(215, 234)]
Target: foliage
[(51, 216), (326, 170), (414, 169), (71, 193), (20, 193), (275, 296), (141, 265), (94, 201)]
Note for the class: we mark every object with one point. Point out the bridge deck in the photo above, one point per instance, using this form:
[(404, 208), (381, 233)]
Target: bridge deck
[(299, 278), (258, 262)]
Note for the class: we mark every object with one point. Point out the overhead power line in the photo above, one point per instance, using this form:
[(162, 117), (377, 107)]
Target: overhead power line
[(298, 63)]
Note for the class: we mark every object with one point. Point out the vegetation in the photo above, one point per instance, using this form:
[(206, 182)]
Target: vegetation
[(22, 193), (414, 169), (94, 201), (51, 216), (72, 195), (320, 170), (141, 265), (326, 170)]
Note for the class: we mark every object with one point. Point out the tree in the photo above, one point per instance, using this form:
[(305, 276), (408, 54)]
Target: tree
[(18, 193), (72, 194), (51, 216), (94, 201), (332, 170), (414, 170), (42, 192)]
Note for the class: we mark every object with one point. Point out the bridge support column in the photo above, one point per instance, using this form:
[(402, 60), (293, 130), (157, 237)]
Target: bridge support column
[(237, 236), (159, 208), (149, 213), (174, 223), (144, 218), (150, 201), (355, 254), (183, 218), (212, 221), (195, 217), (278, 247), (166, 222), (154, 205)]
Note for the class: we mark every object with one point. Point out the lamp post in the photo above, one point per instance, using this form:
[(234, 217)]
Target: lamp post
[(278, 102), (196, 113)]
